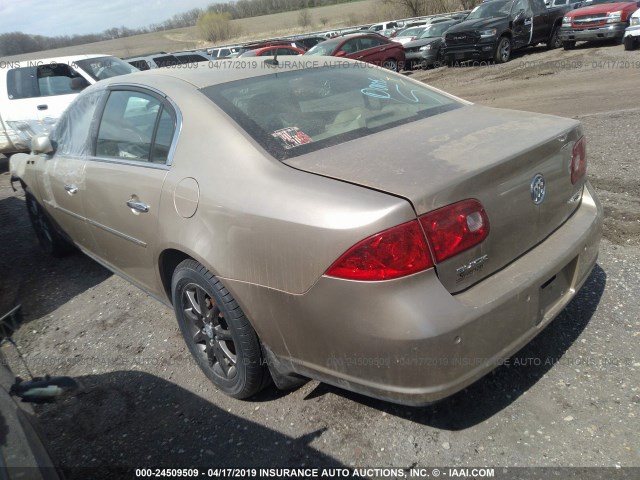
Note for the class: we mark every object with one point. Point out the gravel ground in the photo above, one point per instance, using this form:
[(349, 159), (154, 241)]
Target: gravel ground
[(569, 398)]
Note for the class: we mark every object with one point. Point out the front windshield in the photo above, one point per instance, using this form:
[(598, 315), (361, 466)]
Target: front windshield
[(322, 49), (294, 112), (497, 8), (436, 30), (105, 67)]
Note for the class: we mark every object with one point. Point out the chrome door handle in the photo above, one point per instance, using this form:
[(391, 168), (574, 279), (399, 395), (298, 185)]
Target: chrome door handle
[(138, 206), (71, 189)]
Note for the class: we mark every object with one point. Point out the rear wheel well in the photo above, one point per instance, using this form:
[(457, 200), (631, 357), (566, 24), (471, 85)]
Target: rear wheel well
[(169, 260)]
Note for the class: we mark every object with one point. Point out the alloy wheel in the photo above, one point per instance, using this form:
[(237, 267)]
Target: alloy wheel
[(209, 331)]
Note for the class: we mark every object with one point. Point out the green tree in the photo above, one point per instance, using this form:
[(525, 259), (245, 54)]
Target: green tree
[(215, 26)]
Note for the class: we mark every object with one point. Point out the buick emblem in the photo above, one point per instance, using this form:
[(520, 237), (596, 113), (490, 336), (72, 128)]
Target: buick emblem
[(538, 189)]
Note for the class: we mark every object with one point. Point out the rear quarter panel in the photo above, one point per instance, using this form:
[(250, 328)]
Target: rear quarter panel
[(258, 220)]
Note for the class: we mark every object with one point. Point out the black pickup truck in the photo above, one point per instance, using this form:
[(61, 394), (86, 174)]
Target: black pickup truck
[(497, 27)]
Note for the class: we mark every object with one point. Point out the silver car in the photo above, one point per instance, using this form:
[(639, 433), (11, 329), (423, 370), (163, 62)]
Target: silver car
[(273, 209)]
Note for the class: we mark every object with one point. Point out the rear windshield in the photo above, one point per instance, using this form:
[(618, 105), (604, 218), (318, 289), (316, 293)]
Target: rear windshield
[(296, 112)]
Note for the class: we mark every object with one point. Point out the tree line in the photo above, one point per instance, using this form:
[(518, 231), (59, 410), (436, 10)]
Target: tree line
[(16, 43)]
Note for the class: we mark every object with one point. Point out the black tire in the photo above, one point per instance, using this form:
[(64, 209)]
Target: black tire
[(554, 39), (51, 241), (503, 50), (569, 45), (630, 43), (217, 333), (390, 64)]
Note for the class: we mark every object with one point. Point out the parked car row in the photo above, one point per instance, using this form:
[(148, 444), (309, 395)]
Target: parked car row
[(492, 31)]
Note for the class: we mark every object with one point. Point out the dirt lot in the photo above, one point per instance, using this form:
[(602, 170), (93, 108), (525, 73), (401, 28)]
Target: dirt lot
[(570, 398)]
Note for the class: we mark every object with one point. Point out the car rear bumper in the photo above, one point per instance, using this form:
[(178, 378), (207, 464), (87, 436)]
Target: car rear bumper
[(410, 341), (615, 30)]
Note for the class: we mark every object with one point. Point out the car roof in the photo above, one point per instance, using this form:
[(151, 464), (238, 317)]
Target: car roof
[(236, 69), (362, 34)]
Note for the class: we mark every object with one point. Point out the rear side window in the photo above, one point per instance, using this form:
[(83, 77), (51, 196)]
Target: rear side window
[(295, 112), (22, 83), (192, 58), (166, 61), (135, 126), (40, 81), (140, 64)]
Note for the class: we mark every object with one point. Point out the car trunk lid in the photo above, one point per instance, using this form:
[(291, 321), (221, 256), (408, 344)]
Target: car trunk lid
[(472, 152)]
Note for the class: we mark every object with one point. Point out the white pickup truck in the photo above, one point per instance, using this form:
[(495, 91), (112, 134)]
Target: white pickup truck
[(632, 33), (34, 93)]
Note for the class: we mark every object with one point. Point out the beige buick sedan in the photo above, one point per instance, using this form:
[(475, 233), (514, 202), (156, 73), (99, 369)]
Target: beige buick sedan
[(327, 220)]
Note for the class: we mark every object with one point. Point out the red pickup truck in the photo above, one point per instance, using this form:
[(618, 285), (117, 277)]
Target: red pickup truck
[(597, 20)]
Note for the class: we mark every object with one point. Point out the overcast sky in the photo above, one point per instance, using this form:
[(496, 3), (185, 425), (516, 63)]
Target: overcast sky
[(68, 17)]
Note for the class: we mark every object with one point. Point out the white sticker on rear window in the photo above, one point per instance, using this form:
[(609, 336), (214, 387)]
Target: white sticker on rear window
[(291, 137)]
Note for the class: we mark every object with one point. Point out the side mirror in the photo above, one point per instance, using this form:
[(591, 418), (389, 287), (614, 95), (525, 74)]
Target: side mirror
[(341, 53), (78, 84), (41, 144)]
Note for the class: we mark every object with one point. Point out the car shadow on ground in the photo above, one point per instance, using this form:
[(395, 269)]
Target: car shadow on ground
[(31, 278), (499, 389), (137, 420)]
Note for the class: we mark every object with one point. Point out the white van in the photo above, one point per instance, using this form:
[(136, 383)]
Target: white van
[(34, 93)]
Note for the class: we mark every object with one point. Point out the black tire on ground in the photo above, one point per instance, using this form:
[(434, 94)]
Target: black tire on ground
[(217, 333), (569, 45), (49, 238), (554, 39), (503, 50), (408, 65), (630, 43), (390, 64)]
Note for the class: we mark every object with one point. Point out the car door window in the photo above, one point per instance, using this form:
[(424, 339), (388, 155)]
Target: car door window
[(41, 81), (129, 123), (350, 46), (370, 42), (521, 5), (55, 79), (538, 7), (71, 133)]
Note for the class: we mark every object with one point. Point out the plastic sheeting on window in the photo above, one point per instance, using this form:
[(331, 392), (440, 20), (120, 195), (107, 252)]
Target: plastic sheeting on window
[(71, 134)]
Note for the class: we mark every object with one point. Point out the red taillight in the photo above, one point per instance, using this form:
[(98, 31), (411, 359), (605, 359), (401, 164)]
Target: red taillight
[(455, 228), (393, 253), (404, 250), (578, 160)]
